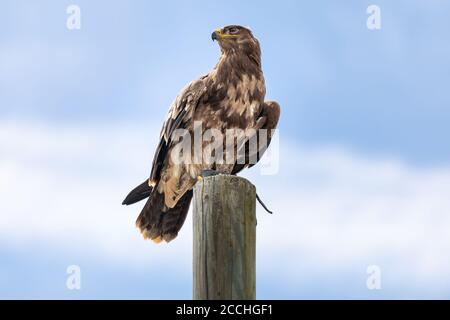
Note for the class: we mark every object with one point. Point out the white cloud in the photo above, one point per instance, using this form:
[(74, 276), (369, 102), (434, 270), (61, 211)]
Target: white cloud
[(334, 209)]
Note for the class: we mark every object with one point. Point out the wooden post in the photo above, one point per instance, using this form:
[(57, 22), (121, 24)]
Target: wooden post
[(224, 223)]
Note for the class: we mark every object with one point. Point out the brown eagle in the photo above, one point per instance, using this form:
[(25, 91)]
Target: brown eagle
[(230, 96)]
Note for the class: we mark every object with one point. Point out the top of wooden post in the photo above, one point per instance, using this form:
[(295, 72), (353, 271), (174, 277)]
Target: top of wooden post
[(233, 180)]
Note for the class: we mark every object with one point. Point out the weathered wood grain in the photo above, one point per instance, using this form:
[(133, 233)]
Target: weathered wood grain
[(224, 223)]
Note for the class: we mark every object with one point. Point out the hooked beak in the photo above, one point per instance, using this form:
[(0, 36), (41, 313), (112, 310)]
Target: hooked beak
[(216, 35)]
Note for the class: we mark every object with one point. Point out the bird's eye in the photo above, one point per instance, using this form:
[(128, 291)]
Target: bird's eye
[(233, 30)]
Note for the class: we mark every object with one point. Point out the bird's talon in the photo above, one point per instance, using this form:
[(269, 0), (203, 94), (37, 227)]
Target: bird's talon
[(209, 173)]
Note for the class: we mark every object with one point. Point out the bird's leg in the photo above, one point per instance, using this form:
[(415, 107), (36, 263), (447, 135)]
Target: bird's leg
[(208, 173)]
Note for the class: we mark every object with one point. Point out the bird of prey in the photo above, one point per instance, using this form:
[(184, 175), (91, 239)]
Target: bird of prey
[(230, 96)]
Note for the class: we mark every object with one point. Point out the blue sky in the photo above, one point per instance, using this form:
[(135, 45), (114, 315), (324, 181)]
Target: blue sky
[(364, 154)]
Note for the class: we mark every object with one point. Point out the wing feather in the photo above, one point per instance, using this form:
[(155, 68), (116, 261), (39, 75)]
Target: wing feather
[(180, 112)]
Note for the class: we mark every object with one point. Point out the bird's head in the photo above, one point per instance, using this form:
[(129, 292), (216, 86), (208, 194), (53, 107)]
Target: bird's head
[(236, 38)]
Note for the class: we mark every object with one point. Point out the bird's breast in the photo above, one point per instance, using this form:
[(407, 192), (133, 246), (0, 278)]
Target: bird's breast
[(243, 95), (232, 102)]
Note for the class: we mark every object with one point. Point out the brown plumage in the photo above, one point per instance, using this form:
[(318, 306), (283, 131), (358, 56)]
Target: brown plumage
[(230, 96)]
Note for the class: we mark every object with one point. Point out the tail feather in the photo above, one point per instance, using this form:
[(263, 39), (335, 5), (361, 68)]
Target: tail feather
[(157, 222), (139, 193)]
